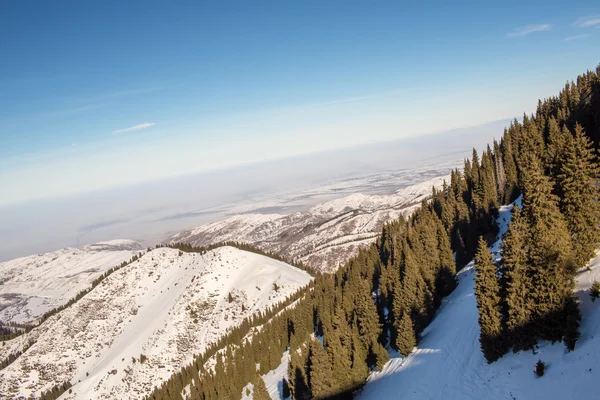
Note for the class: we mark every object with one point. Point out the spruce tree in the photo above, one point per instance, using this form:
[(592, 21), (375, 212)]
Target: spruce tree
[(405, 341), (510, 169), (515, 284), (321, 373), (260, 389), (487, 294), (549, 247), (578, 189)]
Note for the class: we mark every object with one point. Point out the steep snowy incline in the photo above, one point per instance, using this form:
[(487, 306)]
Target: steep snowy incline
[(448, 363), (166, 306), (33, 285), (323, 237)]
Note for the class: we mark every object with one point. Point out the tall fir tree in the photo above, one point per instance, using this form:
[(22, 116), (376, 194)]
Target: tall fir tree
[(487, 294), (577, 178), (321, 373), (549, 247), (259, 391), (405, 340), (516, 285)]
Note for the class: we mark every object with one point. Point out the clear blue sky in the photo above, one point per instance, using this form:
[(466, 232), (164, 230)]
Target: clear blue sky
[(97, 94)]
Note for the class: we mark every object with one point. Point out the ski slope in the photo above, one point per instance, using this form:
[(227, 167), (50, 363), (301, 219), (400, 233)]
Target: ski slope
[(167, 306), (33, 285), (448, 363)]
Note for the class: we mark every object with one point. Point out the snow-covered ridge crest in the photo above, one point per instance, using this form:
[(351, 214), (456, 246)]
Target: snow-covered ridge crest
[(323, 237), (30, 286), (167, 305)]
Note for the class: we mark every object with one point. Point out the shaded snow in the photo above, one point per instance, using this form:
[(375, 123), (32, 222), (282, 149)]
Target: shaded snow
[(448, 362)]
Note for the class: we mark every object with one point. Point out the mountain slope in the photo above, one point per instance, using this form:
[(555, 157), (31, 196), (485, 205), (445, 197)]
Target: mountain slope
[(323, 237), (33, 285), (166, 306), (448, 362)]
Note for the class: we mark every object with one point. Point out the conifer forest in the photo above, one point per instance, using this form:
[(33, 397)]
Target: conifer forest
[(341, 326)]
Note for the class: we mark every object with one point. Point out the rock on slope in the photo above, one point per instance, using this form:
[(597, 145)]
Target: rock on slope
[(322, 237), (448, 362), (166, 306), (33, 285)]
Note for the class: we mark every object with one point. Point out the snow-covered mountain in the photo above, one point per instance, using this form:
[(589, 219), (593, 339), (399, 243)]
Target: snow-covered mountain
[(165, 306), (448, 362), (33, 285), (323, 237)]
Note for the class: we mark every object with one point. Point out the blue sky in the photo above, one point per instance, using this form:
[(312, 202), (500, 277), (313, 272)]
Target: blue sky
[(107, 93)]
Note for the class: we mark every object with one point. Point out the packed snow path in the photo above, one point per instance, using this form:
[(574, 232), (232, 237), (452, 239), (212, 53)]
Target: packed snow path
[(448, 363)]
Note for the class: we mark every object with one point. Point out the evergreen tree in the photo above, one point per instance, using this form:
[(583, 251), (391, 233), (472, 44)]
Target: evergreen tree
[(516, 284), (405, 341), (260, 389), (549, 247), (487, 294), (511, 189), (321, 373), (578, 189)]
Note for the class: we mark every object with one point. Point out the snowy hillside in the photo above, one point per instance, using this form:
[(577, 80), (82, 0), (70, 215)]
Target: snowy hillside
[(166, 306), (448, 362), (33, 285), (323, 237)]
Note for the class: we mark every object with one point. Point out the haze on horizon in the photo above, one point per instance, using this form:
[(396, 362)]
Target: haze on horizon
[(118, 119), (100, 95)]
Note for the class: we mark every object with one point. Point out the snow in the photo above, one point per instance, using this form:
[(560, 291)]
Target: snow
[(166, 306), (273, 380), (323, 237), (33, 285), (448, 362)]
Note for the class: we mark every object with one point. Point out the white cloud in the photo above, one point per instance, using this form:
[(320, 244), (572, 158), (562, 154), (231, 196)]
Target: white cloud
[(526, 30), (134, 128), (568, 39), (587, 22)]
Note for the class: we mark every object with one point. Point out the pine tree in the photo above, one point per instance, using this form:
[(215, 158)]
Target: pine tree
[(405, 341), (487, 294)]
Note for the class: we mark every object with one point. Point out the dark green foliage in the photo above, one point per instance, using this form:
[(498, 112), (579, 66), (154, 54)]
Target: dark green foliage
[(577, 178), (540, 368), (405, 340), (487, 293), (515, 285), (259, 391), (595, 290)]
